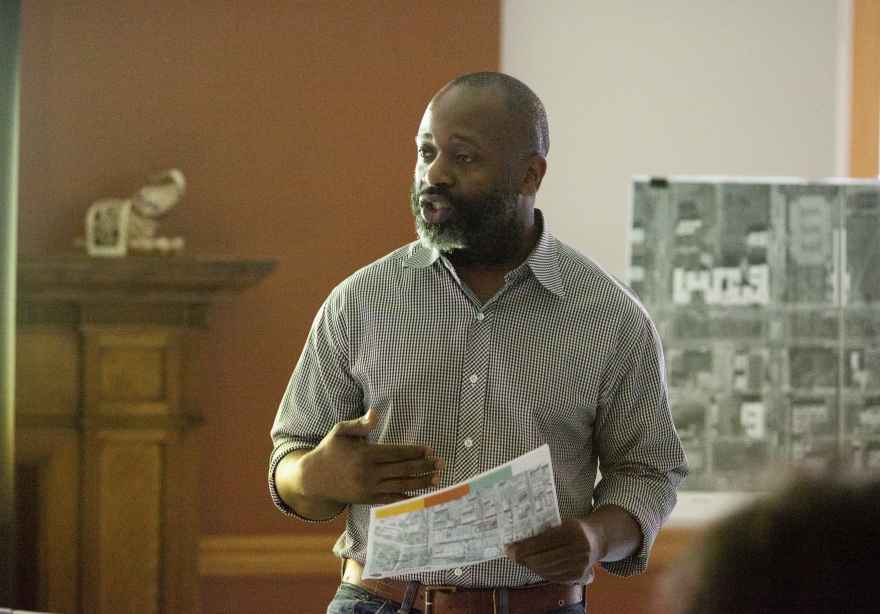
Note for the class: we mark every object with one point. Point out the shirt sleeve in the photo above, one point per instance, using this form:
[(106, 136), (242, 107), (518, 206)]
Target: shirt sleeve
[(641, 459), (320, 393)]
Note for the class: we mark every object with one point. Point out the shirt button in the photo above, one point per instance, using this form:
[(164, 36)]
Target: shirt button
[(468, 442), (457, 571), (474, 378), (481, 316)]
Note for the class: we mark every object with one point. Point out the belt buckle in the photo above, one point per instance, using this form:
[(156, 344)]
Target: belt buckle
[(437, 588)]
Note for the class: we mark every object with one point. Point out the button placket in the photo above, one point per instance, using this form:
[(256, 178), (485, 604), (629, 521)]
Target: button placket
[(472, 395)]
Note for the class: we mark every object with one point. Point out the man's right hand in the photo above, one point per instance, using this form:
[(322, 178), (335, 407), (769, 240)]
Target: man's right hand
[(345, 468)]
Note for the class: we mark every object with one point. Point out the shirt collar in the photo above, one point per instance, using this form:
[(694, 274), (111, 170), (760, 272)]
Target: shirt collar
[(543, 261), (420, 257)]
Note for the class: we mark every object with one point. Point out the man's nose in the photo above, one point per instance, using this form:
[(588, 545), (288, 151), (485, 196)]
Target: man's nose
[(438, 172)]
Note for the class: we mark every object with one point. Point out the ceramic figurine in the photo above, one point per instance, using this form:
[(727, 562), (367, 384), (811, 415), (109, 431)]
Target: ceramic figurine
[(115, 226)]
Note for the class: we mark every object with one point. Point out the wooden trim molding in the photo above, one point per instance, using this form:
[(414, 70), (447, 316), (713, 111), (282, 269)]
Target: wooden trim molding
[(268, 555), (865, 112), (310, 555)]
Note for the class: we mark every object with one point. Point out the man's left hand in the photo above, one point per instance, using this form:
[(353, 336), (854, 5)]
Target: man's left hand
[(564, 554)]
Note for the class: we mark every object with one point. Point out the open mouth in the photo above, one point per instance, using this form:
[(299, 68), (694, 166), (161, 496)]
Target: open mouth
[(434, 209)]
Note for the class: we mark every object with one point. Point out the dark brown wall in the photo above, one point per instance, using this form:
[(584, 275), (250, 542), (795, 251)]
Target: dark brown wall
[(293, 123)]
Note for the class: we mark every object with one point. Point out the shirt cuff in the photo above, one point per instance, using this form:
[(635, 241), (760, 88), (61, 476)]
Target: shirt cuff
[(278, 454), (649, 504)]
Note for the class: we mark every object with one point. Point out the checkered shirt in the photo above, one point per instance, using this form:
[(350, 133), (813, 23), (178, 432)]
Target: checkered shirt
[(563, 354)]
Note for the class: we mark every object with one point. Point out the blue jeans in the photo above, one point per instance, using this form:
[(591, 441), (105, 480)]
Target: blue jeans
[(350, 599)]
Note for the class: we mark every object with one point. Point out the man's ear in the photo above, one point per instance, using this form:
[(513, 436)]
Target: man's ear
[(537, 166)]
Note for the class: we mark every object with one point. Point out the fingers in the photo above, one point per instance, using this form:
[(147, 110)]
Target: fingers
[(380, 453), (374, 453), (520, 554), (560, 554), (409, 468), (553, 560), (391, 453), (548, 541), (374, 473), (562, 564), (409, 475), (569, 533)]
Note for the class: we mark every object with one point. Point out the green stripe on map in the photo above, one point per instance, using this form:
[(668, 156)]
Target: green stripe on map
[(488, 481)]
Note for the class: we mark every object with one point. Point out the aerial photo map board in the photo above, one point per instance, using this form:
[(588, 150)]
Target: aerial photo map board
[(766, 293)]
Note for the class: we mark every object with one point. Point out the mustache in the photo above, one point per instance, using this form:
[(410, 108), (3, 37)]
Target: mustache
[(434, 191)]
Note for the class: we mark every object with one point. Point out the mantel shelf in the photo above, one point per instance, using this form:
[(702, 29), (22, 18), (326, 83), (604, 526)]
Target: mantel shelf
[(154, 279)]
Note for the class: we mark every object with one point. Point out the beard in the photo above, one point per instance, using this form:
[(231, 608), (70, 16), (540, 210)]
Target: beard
[(485, 229)]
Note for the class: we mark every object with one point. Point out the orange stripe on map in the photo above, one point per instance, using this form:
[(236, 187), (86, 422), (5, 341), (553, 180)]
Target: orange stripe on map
[(423, 502), (403, 508), (447, 495)]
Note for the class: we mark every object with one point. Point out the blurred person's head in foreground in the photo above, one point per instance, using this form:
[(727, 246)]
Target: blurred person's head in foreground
[(812, 547)]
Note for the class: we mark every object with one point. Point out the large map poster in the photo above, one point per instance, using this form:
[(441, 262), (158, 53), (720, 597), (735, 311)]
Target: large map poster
[(767, 297)]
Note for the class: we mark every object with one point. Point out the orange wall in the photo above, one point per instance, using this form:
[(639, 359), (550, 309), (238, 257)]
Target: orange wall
[(865, 109), (293, 122)]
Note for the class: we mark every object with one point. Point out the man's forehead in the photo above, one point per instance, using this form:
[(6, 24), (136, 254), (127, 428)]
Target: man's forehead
[(470, 112)]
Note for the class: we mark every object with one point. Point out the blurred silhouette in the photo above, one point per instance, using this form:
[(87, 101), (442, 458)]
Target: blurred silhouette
[(809, 548)]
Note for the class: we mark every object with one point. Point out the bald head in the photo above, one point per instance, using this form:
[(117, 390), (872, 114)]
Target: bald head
[(525, 110)]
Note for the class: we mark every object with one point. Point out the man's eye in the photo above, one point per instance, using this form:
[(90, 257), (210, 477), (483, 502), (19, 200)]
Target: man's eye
[(464, 158), (425, 153)]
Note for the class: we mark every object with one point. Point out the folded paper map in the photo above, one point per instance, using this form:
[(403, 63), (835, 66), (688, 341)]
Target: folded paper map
[(467, 523)]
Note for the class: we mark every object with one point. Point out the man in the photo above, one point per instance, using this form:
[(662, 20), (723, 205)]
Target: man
[(483, 340)]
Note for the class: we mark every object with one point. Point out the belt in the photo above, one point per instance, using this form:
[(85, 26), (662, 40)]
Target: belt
[(457, 600)]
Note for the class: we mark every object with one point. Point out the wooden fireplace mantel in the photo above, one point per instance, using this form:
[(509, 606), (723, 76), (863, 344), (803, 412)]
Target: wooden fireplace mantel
[(52, 287), (106, 444)]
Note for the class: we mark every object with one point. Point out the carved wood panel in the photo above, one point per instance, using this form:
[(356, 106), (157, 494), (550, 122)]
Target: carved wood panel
[(106, 353)]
